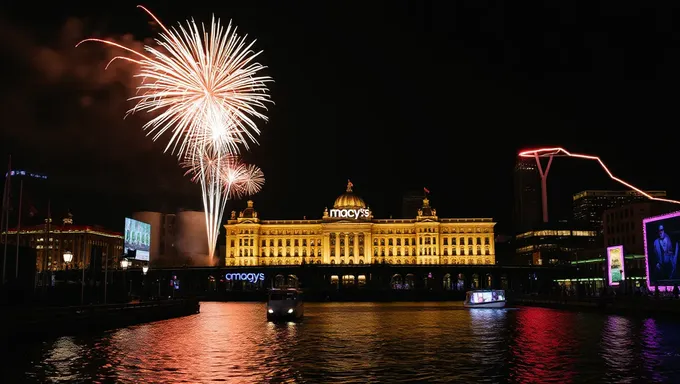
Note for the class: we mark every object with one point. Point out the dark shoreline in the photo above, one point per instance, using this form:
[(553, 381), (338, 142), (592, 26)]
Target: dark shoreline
[(45, 322)]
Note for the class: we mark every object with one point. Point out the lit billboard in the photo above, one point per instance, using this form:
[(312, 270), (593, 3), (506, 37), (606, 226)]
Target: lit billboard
[(615, 265), (137, 239), (661, 235)]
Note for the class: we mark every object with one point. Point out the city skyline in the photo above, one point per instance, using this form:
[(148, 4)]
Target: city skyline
[(389, 146)]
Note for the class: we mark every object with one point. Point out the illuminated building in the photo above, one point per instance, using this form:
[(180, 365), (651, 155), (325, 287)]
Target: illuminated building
[(589, 206), (623, 225), (553, 244), (527, 184), (87, 243), (348, 234)]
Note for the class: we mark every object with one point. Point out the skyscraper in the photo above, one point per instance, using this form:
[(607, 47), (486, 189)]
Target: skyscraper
[(527, 187), (590, 205)]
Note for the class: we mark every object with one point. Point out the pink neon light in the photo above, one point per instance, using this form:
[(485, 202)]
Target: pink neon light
[(609, 264), (644, 236), (558, 150)]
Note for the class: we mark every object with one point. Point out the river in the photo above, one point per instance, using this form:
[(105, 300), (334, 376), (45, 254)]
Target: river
[(363, 343)]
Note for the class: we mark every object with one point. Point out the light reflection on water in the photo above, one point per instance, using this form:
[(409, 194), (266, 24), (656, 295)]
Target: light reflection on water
[(364, 342)]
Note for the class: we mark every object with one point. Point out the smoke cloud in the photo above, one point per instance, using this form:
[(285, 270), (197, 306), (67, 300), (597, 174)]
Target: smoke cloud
[(66, 113)]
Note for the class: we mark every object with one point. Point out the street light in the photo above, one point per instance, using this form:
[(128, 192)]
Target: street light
[(124, 264), (68, 256), (145, 269)]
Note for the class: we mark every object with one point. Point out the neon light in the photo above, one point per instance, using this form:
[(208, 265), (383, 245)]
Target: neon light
[(644, 237), (616, 264), (250, 277), (558, 150)]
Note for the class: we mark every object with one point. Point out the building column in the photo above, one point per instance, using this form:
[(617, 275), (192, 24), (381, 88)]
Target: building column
[(368, 248), (326, 248), (356, 247)]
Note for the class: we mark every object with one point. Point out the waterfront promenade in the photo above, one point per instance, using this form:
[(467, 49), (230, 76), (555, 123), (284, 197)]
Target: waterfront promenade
[(41, 322)]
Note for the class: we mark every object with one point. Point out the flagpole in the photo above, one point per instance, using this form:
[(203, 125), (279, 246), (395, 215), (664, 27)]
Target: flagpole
[(16, 257), (5, 215)]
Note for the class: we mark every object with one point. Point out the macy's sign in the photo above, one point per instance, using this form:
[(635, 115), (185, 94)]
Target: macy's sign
[(250, 277), (351, 213)]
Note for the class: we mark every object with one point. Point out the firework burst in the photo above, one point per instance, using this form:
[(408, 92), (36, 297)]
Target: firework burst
[(203, 85)]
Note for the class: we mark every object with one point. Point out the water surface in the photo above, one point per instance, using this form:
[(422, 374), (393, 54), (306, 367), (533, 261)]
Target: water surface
[(364, 343)]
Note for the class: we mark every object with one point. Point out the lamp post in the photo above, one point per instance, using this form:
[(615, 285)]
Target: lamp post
[(68, 258), (145, 288), (124, 264)]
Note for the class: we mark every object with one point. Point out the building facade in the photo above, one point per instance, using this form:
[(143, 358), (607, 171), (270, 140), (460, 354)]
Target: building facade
[(556, 243), (527, 185), (623, 225), (349, 234), (177, 239), (91, 246), (589, 206)]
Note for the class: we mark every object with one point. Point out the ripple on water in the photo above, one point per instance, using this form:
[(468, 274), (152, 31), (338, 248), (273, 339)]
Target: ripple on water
[(364, 343)]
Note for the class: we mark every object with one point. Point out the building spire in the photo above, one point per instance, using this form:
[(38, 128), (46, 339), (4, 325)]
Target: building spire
[(349, 185)]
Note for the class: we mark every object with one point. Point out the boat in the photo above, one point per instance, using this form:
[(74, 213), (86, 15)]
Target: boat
[(285, 304), (485, 298)]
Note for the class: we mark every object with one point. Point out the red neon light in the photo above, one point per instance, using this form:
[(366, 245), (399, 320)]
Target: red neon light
[(557, 150)]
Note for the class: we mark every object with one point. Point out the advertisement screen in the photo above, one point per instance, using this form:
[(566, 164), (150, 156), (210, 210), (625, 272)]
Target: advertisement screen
[(662, 234), (615, 265), (137, 238)]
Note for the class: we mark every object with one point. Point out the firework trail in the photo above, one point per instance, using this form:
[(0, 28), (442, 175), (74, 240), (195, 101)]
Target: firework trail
[(221, 178), (206, 88)]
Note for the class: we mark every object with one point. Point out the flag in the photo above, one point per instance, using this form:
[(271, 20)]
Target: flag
[(427, 191)]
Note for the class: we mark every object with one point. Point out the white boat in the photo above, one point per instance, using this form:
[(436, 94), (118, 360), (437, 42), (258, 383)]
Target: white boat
[(486, 298), (285, 304)]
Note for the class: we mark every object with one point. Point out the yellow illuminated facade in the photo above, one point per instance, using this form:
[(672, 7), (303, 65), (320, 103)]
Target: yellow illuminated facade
[(348, 234)]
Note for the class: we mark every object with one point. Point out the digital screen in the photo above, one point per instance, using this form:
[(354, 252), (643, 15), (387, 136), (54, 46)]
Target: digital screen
[(487, 296), (137, 239), (615, 265), (661, 234)]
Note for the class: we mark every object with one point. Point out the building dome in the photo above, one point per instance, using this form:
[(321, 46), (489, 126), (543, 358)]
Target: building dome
[(349, 200), (249, 212)]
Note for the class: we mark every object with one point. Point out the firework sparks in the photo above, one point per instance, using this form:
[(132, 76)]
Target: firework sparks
[(221, 177), (205, 87)]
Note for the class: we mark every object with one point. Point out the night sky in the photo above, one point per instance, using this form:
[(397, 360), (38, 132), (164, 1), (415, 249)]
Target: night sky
[(395, 96)]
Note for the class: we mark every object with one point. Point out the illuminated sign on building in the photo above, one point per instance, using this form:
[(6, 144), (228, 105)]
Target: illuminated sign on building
[(249, 277), (615, 265), (351, 213)]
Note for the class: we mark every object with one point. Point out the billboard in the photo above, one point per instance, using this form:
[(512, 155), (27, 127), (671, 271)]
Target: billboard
[(661, 235), (137, 239), (615, 265)]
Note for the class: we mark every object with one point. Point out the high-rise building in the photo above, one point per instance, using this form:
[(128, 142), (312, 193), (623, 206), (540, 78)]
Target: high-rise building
[(177, 239), (589, 206), (527, 180), (623, 225)]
